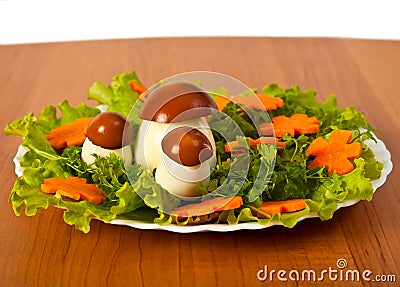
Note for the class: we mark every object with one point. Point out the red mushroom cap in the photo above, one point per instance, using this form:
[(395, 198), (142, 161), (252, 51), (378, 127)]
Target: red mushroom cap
[(187, 146), (176, 102)]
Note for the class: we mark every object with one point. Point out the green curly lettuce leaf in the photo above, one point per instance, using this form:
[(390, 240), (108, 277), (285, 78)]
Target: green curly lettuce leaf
[(80, 213), (372, 167), (338, 189), (26, 193), (153, 194), (33, 138), (128, 200), (118, 96), (70, 114)]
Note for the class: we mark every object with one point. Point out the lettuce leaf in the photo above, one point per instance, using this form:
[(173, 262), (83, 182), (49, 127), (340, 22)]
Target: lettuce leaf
[(26, 192), (298, 101), (33, 138), (128, 201), (80, 213), (153, 194), (338, 189), (372, 167), (47, 119), (70, 114), (118, 96), (356, 184)]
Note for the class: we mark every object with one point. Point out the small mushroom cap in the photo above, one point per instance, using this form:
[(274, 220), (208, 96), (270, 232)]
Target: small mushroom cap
[(187, 146), (110, 130), (176, 102)]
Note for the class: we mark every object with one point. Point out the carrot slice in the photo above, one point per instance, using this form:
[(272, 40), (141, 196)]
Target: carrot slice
[(296, 124), (73, 134), (335, 153), (257, 102), (208, 206), (317, 147), (271, 103), (222, 101), (260, 102), (231, 147), (279, 207), (269, 140), (73, 187), (137, 87), (233, 203)]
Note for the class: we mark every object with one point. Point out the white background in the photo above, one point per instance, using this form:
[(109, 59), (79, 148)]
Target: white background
[(49, 21)]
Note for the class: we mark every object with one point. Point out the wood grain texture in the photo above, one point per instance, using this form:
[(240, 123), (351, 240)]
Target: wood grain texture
[(44, 251)]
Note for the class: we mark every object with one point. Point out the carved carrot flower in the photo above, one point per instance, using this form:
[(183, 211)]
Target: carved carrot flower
[(73, 187), (73, 134), (296, 124), (336, 153)]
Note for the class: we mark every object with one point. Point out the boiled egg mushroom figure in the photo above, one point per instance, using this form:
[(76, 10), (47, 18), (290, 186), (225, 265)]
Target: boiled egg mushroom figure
[(186, 156), (107, 133), (166, 108)]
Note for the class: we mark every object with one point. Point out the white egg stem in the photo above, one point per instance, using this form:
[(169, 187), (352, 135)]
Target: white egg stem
[(177, 179), (89, 148), (148, 149)]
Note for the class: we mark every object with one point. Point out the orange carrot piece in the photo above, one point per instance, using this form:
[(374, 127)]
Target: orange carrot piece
[(73, 187), (264, 140), (268, 140), (271, 103), (340, 136), (230, 146), (260, 102), (137, 87), (317, 147), (335, 153), (279, 207), (73, 134), (251, 101), (222, 101), (296, 124), (208, 206), (254, 101), (233, 203), (74, 194)]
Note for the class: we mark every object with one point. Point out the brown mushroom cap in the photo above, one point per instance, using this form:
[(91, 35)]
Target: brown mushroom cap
[(187, 146), (176, 102), (110, 130)]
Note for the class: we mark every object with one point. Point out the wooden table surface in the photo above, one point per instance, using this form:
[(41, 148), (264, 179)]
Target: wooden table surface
[(44, 251)]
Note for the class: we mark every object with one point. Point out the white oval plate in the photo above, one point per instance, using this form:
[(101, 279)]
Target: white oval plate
[(379, 149)]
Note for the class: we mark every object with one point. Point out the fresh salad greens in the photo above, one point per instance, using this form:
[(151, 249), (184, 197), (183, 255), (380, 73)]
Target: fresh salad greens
[(289, 177)]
